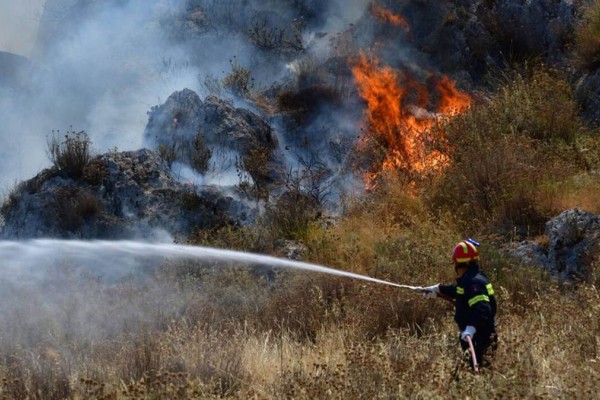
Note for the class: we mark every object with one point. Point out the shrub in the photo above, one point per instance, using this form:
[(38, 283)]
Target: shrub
[(291, 214), (238, 81), (168, 153), (254, 164), (200, 154), (304, 102), (587, 37), (74, 207), (505, 150), (267, 37), (72, 155), (95, 172)]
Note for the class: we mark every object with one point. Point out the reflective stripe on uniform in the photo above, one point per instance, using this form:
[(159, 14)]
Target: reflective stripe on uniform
[(490, 289), (460, 290), (477, 299)]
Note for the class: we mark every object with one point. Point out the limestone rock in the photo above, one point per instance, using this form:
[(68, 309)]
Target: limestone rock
[(573, 245), (230, 134), (121, 195)]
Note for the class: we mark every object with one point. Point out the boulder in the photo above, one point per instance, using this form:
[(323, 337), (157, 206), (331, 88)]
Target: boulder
[(574, 242), (120, 195), (185, 125), (573, 245)]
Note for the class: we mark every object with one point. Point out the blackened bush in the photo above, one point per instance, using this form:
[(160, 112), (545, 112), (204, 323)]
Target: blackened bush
[(72, 155), (74, 207), (200, 154), (291, 214)]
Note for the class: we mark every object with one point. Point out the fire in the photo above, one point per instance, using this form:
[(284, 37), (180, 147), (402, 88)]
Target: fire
[(389, 17), (396, 115), (453, 101)]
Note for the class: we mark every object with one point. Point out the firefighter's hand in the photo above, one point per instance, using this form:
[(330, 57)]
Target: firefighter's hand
[(469, 331), (431, 291)]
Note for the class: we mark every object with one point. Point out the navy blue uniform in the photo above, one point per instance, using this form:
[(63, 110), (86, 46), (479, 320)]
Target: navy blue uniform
[(475, 305)]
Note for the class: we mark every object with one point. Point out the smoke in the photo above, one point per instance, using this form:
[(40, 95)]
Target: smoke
[(60, 292), (99, 66), (100, 73), (19, 25)]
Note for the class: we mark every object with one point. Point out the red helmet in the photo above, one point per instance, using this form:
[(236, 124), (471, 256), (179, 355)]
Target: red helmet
[(465, 252)]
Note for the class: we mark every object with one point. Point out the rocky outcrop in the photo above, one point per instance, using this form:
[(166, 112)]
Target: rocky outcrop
[(120, 195), (187, 129), (573, 245), (478, 35)]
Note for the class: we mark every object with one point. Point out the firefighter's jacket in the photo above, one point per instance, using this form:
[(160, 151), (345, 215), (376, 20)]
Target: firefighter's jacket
[(474, 300)]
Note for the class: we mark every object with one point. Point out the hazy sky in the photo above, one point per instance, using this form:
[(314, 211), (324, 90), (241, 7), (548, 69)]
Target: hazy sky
[(19, 21)]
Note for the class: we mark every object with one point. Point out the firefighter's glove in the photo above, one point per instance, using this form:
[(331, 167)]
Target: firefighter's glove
[(469, 331), (431, 291)]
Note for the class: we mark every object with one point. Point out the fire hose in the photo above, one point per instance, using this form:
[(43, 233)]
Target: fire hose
[(473, 355)]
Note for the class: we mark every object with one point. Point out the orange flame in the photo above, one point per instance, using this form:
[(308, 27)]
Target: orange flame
[(389, 17), (396, 115)]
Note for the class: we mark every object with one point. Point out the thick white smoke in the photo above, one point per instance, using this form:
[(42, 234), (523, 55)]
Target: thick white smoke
[(102, 76), (99, 66)]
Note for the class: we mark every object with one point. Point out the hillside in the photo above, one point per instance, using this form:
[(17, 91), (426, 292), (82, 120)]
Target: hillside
[(366, 136)]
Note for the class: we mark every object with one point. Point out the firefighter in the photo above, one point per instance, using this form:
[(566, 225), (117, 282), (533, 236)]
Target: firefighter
[(473, 297)]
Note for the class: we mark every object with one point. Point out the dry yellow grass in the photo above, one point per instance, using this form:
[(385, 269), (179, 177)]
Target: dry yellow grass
[(232, 335), (549, 351)]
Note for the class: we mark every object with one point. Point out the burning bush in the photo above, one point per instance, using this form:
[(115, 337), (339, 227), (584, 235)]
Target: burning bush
[(401, 114)]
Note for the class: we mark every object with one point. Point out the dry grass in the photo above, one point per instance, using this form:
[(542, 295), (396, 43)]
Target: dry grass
[(211, 331), (508, 151), (549, 351)]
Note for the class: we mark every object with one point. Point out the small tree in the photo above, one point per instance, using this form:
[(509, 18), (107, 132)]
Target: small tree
[(70, 156)]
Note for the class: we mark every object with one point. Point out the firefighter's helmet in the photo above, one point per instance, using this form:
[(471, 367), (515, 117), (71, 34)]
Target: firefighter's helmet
[(465, 252)]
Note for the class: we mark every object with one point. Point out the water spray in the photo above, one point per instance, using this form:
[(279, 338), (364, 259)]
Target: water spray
[(31, 251)]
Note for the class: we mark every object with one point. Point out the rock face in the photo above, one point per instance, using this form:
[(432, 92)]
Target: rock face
[(121, 195), (188, 129), (476, 35), (573, 245), (574, 242)]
